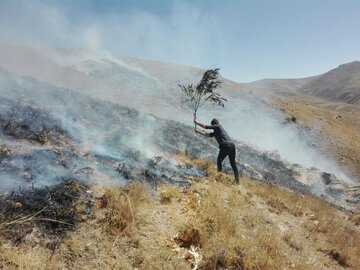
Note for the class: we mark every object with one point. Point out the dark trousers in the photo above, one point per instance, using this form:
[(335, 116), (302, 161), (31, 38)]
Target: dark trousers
[(228, 149)]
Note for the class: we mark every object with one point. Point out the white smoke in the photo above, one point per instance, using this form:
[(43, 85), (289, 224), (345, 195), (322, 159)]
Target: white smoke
[(190, 37), (249, 121), (93, 39)]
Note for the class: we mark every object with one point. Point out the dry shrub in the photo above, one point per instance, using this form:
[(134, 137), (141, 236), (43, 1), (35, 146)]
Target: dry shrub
[(355, 218), (188, 237), (235, 256), (293, 242), (340, 258), (44, 136), (167, 193), (223, 254), (209, 168), (203, 164), (121, 208)]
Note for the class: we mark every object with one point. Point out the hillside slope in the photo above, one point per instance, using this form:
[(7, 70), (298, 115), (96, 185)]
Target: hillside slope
[(278, 85), (334, 127), (208, 224), (100, 168), (50, 134), (339, 84), (113, 78)]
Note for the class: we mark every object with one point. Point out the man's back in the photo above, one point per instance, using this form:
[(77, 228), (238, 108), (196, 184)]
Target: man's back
[(221, 136)]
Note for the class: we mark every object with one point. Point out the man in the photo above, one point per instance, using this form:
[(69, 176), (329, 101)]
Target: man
[(226, 145)]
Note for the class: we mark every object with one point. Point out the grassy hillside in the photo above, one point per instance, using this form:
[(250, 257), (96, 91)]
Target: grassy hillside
[(208, 224), (335, 126)]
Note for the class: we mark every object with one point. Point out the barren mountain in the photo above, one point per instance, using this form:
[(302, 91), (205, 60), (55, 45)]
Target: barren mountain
[(339, 84)]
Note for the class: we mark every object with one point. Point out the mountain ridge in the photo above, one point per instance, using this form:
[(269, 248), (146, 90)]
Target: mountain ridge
[(341, 84)]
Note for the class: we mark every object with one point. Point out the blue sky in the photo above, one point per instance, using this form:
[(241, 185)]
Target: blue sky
[(248, 40)]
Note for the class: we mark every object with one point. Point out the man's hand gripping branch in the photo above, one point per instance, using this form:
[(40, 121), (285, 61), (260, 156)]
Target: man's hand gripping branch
[(200, 131)]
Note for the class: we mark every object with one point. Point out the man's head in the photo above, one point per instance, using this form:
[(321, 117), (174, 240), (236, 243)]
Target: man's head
[(214, 122)]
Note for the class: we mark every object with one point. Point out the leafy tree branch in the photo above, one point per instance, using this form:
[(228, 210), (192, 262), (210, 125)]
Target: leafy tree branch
[(204, 90)]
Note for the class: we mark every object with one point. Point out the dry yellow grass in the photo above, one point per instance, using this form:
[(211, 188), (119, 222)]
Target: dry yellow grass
[(121, 208), (168, 193), (336, 126), (211, 224)]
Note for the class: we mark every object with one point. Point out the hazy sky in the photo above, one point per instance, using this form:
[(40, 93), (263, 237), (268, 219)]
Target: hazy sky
[(247, 39)]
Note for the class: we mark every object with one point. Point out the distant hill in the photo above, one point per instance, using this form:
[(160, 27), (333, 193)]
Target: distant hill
[(339, 84), (279, 85)]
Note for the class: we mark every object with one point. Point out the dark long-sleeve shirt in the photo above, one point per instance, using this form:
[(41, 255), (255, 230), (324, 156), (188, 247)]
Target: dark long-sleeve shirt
[(220, 134)]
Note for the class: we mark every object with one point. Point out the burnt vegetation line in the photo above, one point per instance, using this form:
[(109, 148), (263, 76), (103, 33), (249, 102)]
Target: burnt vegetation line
[(56, 209), (28, 122)]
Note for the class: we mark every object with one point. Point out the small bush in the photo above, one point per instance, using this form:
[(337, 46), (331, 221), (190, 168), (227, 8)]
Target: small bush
[(188, 237), (121, 208)]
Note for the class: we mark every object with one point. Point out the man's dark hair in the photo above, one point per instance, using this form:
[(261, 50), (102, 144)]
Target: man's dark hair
[(214, 122)]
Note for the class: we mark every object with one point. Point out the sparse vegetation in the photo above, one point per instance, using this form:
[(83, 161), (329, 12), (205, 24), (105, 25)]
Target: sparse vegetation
[(121, 208), (4, 152), (167, 193), (332, 134), (44, 136)]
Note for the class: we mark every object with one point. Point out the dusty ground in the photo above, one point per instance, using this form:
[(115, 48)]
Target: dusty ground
[(334, 126), (210, 224)]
